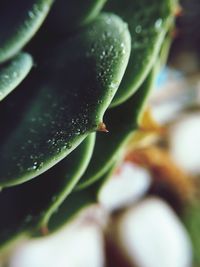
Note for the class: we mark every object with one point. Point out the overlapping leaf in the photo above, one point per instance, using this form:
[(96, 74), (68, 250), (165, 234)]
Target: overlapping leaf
[(67, 15), (19, 21), (81, 62), (63, 100), (13, 72), (121, 121), (28, 207), (76, 202), (148, 21)]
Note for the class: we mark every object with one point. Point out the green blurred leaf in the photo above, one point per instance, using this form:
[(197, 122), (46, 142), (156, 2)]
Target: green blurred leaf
[(62, 101), (121, 121), (76, 202), (148, 21), (191, 219), (13, 72), (164, 52)]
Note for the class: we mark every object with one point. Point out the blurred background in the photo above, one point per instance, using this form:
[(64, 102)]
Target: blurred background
[(148, 213)]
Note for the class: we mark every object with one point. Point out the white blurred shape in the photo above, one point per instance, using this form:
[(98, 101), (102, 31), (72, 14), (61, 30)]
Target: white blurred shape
[(74, 247), (151, 235), (166, 112), (185, 143), (125, 187), (173, 94)]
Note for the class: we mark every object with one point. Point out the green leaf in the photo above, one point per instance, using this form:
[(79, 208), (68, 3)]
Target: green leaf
[(121, 121), (62, 102), (13, 72), (19, 23), (28, 207), (76, 202), (64, 19), (67, 15), (191, 219), (164, 52), (148, 21)]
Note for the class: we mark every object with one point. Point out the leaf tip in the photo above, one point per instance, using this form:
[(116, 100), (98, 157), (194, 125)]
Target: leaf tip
[(178, 11), (102, 128), (44, 230)]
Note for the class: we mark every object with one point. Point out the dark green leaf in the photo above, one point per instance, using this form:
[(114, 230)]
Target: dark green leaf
[(61, 103), (121, 122), (13, 72), (27, 207), (148, 21), (76, 202), (19, 22), (68, 15)]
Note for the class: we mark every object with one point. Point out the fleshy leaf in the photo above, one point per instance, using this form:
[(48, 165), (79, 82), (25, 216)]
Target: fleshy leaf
[(76, 202), (67, 15), (30, 205), (165, 50), (148, 21), (13, 72), (61, 103), (121, 121), (18, 24), (191, 220)]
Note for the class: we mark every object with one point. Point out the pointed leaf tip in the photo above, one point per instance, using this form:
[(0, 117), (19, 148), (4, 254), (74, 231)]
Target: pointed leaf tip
[(102, 128), (44, 230)]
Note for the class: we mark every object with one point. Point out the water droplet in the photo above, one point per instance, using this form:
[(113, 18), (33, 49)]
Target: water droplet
[(34, 165), (78, 132), (123, 48), (15, 74), (158, 23), (40, 166), (54, 198), (28, 218), (31, 14), (113, 85), (138, 29)]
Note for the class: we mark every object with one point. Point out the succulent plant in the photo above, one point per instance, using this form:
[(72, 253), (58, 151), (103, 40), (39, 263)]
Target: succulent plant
[(67, 68)]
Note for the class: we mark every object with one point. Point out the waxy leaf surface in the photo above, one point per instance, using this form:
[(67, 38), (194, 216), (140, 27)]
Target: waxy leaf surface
[(68, 15), (27, 208), (121, 121), (63, 100), (19, 21), (13, 72), (148, 21)]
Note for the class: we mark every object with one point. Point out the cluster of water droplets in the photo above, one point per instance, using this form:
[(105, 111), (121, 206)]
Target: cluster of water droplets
[(37, 12), (8, 75)]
